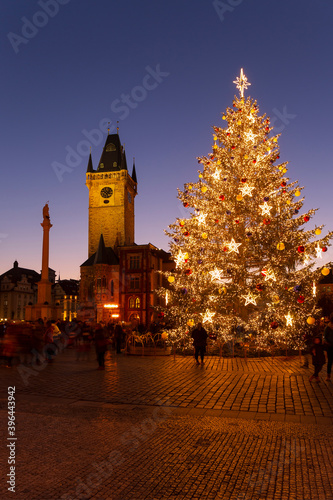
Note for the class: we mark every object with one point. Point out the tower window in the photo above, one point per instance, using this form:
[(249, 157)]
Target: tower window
[(110, 147), (134, 283), (137, 303), (134, 262), (111, 287)]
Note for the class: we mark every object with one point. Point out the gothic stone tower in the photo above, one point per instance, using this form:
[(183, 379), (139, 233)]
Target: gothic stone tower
[(111, 198)]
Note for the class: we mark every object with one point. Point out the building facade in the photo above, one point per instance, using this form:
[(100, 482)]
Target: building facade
[(119, 278)]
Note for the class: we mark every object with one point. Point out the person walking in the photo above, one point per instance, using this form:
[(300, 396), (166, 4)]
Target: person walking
[(318, 358), (101, 345), (328, 346), (199, 336)]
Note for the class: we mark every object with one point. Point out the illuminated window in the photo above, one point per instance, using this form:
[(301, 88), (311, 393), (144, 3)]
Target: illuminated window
[(137, 303), (131, 303), (110, 147)]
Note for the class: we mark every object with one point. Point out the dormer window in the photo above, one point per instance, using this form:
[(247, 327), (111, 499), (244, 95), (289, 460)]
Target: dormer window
[(101, 165), (110, 147)]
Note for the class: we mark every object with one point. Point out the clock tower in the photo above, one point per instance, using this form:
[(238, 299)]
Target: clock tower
[(111, 198)]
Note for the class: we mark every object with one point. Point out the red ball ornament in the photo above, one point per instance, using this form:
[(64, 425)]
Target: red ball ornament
[(267, 128), (283, 183), (284, 191), (228, 133), (186, 233), (306, 218), (225, 249), (300, 299), (216, 221), (254, 161), (185, 204), (237, 221), (243, 180), (222, 197), (259, 287), (300, 249), (240, 110), (233, 147), (274, 325), (324, 249), (188, 272), (266, 221), (278, 157)]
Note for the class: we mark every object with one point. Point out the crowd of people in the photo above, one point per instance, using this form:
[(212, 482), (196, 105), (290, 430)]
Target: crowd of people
[(39, 342)]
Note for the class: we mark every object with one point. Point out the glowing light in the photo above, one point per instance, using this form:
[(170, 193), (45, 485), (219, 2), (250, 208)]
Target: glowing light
[(208, 316), (265, 209), (241, 83), (250, 299), (318, 252), (269, 275), (289, 319), (250, 136), (314, 289), (201, 218), (216, 175), (216, 275), (115, 315), (111, 306), (247, 190), (233, 246), (180, 258), (166, 298)]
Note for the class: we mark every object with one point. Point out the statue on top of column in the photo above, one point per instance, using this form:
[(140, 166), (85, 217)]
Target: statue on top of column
[(46, 214)]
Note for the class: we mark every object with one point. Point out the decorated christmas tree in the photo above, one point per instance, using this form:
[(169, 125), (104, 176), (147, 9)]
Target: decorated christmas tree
[(245, 254)]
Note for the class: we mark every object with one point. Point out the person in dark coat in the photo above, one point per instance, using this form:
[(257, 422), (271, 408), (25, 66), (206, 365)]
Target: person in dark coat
[(118, 337), (318, 357), (101, 346), (328, 336), (199, 336)]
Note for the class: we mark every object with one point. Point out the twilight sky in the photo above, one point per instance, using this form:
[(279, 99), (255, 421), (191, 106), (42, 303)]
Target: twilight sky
[(165, 70)]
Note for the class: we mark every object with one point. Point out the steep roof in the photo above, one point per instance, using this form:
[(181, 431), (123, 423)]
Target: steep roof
[(113, 156), (104, 255), (90, 164), (70, 287)]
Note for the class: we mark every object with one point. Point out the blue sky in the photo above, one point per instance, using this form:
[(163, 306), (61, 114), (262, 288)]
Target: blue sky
[(70, 73)]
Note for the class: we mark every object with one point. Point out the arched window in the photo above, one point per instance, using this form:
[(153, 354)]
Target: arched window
[(111, 288), (110, 147), (137, 303), (131, 303)]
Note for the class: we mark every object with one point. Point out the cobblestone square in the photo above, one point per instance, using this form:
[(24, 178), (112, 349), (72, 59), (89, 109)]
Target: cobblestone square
[(163, 428)]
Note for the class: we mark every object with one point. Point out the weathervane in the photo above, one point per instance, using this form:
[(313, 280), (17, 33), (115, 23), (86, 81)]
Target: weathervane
[(241, 83)]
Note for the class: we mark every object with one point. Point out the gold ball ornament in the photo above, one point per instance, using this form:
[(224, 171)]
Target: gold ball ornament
[(186, 256), (164, 335), (239, 197), (203, 189), (218, 162), (215, 137), (288, 202), (318, 232), (200, 176), (275, 139), (239, 122), (325, 271), (276, 299), (297, 193), (311, 321), (223, 117), (246, 157), (189, 187), (285, 170), (190, 322), (204, 235), (171, 279), (280, 246)]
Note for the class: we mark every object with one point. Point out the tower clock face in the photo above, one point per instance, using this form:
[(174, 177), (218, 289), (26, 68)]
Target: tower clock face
[(106, 192)]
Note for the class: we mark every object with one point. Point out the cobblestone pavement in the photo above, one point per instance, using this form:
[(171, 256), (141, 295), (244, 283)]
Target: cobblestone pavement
[(165, 429)]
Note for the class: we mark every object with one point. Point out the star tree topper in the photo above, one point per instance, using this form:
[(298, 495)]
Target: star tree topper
[(241, 83)]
